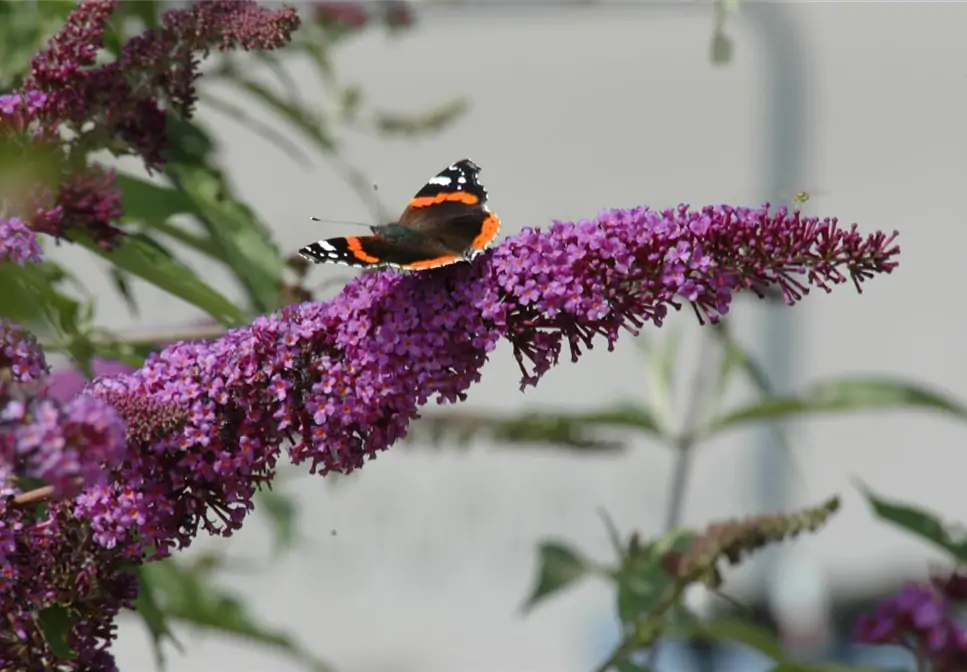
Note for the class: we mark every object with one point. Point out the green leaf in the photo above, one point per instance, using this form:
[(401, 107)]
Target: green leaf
[(920, 522), (282, 512), (246, 245), (122, 283), (55, 624), (145, 201), (570, 430), (188, 143), (643, 584), (721, 50), (558, 567), (432, 121), (837, 396), (753, 636), (141, 256), (188, 595), (311, 124), (614, 537), (264, 130), (153, 617)]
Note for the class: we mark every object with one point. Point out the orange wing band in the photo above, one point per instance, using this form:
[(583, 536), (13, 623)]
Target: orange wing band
[(488, 232), (457, 196)]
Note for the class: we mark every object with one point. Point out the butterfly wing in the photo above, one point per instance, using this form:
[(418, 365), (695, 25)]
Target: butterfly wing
[(452, 209)]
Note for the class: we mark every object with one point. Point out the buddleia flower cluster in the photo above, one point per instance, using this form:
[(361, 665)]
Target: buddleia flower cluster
[(181, 445)]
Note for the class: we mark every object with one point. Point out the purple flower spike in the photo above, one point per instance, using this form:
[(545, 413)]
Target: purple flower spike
[(17, 242), (343, 379), (68, 447), (22, 360), (920, 619)]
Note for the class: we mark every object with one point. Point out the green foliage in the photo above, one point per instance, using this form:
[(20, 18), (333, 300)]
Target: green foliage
[(188, 594), (559, 566), (55, 623), (920, 522)]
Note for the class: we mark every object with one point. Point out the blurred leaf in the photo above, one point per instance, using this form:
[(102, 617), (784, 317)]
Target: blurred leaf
[(188, 142), (153, 617), (643, 584), (920, 522), (122, 283), (721, 51), (247, 246), (148, 11), (264, 130), (141, 256), (558, 567), (24, 289), (24, 28), (789, 666), (145, 201), (390, 123), (629, 665), (744, 632), (282, 512), (199, 243), (55, 624), (571, 430), (614, 537), (846, 394), (312, 125), (190, 596)]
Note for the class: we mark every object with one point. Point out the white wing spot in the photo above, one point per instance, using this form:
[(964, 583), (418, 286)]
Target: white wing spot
[(441, 180), (326, 245), (462, 180)]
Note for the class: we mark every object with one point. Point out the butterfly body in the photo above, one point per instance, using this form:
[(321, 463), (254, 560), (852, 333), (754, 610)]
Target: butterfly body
[(446, 222)]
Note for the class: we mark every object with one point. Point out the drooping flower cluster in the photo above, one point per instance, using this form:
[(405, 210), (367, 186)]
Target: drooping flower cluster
[(921, 619), (120, 106), (341, 380)]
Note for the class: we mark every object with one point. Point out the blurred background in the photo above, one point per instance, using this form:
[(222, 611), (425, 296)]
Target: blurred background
[(422, 560)]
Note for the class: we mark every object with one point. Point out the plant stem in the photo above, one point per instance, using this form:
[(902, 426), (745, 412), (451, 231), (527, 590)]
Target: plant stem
[(683, 446)]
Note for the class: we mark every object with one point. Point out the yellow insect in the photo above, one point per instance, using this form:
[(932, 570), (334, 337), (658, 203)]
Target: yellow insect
[(801, 197)]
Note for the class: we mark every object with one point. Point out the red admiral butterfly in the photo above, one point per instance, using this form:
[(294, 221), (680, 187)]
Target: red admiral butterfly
[(447, 221)]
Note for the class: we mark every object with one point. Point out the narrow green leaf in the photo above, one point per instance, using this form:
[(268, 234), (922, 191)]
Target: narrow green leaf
[(753, 636), (55, 624), (837, 396), (431, 121), (188, 142), (145, 201), (153, 617), (199, 243), (282, 512), (310, 123), (614, 537), (559, 566), (141, 256), (920, 522), (122, 283), (265, 130), (188, 595), (247, 246)]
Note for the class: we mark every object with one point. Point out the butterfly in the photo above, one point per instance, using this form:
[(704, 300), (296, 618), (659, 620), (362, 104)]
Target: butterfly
[(447, 221)]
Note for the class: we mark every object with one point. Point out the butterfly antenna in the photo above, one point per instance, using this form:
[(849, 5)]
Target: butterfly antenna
[(383, 215), (337, 221)]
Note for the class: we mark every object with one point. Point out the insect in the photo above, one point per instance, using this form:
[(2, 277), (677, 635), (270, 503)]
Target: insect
[(446, 222), (801, 197)]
